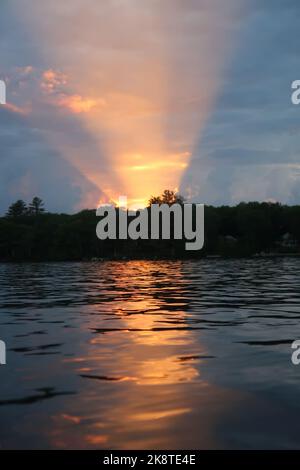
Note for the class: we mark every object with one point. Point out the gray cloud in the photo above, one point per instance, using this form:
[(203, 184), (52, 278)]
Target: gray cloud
[(250, 148), (28, 166)]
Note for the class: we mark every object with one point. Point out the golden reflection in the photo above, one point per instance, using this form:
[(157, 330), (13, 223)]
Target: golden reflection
[(155, 327), (140, 369), (161, 414)]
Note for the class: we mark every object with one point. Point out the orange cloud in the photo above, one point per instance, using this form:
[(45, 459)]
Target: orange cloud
[(77, 104), (52, 80), (16, 109), (56, 84)]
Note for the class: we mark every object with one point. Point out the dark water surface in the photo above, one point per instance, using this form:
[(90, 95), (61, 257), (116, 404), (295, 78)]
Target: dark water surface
[(145, 354)]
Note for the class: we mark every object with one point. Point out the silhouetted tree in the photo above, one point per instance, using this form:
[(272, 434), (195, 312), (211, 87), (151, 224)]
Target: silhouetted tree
[(242, 230), (154, 200), (17, 209), (167, 197), (36, 206)]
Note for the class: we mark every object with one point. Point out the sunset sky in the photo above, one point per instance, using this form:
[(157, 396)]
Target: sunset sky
[(130, 97)]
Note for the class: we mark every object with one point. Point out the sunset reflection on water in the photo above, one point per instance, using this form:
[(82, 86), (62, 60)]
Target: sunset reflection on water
[(147, 351), (145, 354)]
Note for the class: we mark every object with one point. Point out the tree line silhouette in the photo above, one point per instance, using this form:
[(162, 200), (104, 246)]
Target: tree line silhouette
[(30, 233)]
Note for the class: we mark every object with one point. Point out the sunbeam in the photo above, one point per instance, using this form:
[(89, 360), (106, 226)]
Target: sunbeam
[(141, 78)]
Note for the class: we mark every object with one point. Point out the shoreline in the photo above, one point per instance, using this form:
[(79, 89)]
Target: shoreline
[(140, 258)]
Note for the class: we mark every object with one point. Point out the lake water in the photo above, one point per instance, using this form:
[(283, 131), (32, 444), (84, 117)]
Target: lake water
[(142, 354)]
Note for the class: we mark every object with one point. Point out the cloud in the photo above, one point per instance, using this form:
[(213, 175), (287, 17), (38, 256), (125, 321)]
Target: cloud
[(250, 146), (141, 77), (55, 85), (53, 81), (15, 109), (129, 97), (33, 141)]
